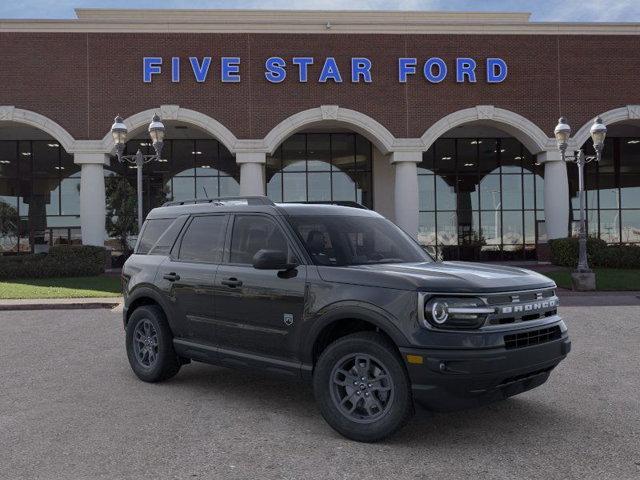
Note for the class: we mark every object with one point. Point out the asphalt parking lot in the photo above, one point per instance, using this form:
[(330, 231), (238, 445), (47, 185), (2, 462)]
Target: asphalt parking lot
[(71, 408)]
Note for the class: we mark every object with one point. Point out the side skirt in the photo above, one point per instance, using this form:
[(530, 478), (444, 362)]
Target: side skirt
[(241, 360)]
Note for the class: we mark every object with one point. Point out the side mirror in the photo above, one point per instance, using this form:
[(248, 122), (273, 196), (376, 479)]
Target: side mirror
[(272, 260)]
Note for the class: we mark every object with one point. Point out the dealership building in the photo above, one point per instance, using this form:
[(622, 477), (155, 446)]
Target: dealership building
[(442, 122)]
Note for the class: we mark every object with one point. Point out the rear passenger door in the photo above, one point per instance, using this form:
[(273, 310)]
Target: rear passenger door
[(187, 277), (256, 310)]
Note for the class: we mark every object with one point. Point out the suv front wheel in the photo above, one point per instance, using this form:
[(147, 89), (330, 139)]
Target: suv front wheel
[(150, 345), (362, 387)]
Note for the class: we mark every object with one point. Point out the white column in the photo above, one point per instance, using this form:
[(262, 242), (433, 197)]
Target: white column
[(556, 194), (251, 172), (92, 197), (406, 199)]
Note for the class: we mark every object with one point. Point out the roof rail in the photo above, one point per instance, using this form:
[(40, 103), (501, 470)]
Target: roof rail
[(250, 200), (341, 203)]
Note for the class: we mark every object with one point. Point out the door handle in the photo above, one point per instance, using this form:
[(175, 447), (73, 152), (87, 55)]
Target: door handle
[(172, 277), (232, 282)]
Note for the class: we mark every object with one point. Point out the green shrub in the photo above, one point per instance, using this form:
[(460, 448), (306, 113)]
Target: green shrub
[(564, 252), (619, 256), (61, 261)]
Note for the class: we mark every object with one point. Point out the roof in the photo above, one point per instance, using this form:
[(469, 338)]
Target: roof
[(266, 206), (310, 21)]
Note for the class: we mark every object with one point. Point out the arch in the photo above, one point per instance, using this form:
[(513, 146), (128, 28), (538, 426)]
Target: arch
[(382, 138), (177, 113), (528, 133), (10, 113), (617, 115)]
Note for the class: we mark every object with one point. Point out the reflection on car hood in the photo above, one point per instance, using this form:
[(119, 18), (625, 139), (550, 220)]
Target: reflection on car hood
[(438, 277)]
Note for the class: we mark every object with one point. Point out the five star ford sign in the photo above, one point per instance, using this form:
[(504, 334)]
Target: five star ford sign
[(361, 69)]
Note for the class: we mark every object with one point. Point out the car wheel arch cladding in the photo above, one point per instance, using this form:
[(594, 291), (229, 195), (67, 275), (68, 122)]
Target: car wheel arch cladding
[(144, 295), (369, 314)]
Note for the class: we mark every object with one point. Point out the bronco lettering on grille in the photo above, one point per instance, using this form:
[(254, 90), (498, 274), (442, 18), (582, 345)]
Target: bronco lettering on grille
[(529, 307)]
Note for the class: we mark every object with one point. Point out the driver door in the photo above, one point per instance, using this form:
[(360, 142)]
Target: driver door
[(257, 310)]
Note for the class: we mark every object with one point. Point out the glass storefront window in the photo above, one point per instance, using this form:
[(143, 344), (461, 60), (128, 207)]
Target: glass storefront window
[(480, 199), (39, 193), (321, 167), (612, 192)]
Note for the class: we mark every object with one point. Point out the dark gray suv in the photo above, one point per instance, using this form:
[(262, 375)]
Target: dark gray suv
[(340, 297)]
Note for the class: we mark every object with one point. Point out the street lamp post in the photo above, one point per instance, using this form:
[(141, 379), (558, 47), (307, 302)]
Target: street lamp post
[(156, 132), (598, 133)]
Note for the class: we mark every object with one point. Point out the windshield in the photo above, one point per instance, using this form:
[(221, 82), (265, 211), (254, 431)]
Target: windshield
[(355, 240)]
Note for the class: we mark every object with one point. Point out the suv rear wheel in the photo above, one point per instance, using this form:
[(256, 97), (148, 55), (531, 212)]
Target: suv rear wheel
[(150, 345), (362, 387)]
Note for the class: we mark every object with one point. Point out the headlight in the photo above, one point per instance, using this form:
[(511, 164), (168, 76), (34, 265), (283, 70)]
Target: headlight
[(455, 312)]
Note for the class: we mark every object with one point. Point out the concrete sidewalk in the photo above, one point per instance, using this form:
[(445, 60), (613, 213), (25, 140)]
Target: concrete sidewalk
[(569, 298), (60, 303)]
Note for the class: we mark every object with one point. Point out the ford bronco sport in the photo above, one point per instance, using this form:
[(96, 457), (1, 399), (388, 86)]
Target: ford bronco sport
[(340, 297)]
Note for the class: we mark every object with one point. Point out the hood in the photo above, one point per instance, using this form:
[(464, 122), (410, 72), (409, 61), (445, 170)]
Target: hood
[(462, 277)]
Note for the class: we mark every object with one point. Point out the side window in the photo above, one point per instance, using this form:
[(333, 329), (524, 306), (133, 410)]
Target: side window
[(168, 238), (152, 231), (252, 233), (204, 239)]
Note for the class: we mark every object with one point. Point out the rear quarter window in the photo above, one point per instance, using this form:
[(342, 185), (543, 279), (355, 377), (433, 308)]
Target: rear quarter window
[(151, 233)]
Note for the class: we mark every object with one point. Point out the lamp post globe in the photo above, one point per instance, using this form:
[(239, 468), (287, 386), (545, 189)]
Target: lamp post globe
[(598, 133), (119, 133), (562, 133), (156, 132)]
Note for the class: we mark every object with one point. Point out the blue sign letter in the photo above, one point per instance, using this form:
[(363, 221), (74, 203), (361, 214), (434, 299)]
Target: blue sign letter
[(150, 66), (465, 67), (428, 70), (200, 71), (360, 67), (496, 70), (230, 69), (175, 69), (303, 64), (331, 71), (406, 66), (275, 69)]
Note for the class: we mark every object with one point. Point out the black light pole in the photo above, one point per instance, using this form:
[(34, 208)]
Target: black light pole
[(598, 133), (156, 132)]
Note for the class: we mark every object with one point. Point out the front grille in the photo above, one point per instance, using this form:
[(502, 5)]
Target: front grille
[(519, 307), (528, 296), (534, 337)]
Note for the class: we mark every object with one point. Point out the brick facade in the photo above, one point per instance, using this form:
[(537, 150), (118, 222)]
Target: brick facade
[(81, 80)]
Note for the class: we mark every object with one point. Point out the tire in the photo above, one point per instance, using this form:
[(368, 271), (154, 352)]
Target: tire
[(153, 358), (384, 404)]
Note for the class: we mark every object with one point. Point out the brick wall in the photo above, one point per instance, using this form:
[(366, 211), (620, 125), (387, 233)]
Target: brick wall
[(81, 80)]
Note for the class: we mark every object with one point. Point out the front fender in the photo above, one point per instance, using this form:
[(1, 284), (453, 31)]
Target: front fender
[(367, 312)]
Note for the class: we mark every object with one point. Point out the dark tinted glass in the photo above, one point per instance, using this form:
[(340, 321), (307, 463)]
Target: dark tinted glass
[(168, 238), (252, 233), (204, 239), (151, 233), (349, 240)]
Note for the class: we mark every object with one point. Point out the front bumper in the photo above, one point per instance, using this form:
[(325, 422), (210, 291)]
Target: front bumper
[(453, 379)]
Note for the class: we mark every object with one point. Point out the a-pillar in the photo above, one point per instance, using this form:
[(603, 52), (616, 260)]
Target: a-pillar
[(251, 172), (406, 190), (92, 197), (556, 194)]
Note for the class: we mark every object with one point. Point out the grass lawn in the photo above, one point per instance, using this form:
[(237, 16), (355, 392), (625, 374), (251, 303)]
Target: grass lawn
[(73, 287), (606, 278)]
